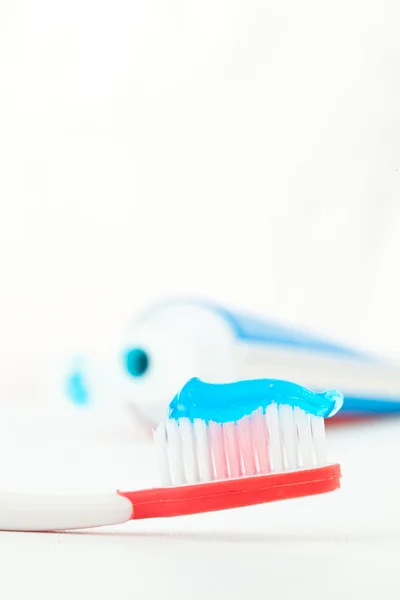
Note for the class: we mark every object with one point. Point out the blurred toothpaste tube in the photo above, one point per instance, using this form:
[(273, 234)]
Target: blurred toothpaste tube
[(172, 342)]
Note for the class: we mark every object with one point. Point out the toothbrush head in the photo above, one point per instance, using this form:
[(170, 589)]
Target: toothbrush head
[(233, 445), (243, 429)]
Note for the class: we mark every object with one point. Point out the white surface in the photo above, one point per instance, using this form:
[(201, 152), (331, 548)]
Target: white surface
[(343, 544)]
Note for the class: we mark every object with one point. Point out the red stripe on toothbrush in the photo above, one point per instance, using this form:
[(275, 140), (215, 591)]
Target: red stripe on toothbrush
[(232, 493)]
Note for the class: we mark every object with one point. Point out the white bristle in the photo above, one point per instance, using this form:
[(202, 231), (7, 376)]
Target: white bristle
[(203, 448), (274, 437), (286, 419), (176, 465), (302, 420), (318, 433), (160, 440), (280, 439), (189, 451)]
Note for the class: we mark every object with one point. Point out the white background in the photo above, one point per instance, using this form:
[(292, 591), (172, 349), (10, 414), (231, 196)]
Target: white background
[(246, 151)]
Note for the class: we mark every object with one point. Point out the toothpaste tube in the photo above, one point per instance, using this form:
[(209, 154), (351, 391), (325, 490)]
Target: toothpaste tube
[(172, 342)]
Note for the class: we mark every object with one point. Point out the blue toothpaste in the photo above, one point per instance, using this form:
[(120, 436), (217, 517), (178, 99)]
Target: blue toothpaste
[(232, 401)]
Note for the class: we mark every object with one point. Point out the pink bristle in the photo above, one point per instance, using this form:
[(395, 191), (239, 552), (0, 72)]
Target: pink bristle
[(218, 450), (257, 444), (232, 449), (245, 436)]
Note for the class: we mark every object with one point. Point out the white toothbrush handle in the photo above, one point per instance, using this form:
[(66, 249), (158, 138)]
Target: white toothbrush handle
[(49, 512)]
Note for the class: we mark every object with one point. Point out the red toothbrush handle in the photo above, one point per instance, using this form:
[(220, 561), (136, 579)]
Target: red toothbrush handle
[(232, 493)]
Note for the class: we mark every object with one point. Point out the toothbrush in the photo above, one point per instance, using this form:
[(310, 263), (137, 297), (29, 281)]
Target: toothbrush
[(223, 446)]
